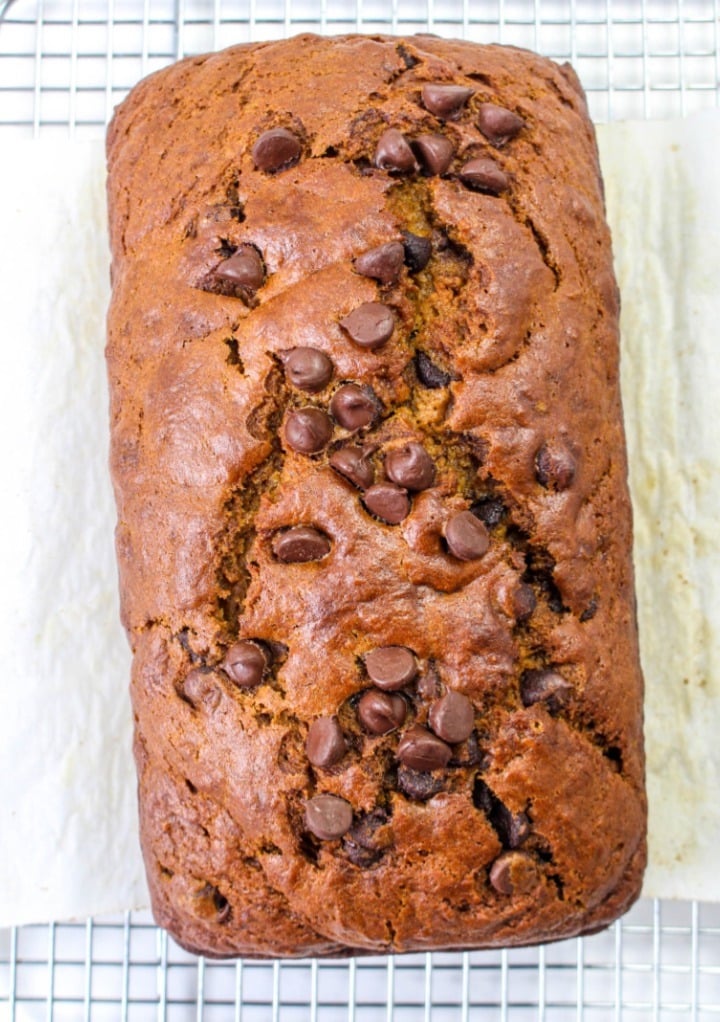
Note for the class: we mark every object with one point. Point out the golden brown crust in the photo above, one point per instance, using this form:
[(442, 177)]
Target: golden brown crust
[(503, 364)]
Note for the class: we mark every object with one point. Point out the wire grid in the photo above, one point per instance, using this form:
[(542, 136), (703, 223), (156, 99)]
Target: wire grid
[(64, 65)]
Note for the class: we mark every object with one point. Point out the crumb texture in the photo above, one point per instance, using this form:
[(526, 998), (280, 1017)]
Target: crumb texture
[(373, 524)]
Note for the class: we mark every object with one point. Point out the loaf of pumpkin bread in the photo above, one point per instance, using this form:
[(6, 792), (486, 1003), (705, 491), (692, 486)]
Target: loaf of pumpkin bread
[(374, 534)]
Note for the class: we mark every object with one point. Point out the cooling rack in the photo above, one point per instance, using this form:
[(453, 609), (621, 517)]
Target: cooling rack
[(64, 65)]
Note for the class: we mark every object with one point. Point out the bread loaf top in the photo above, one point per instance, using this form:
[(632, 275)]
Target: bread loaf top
[(374, 531)]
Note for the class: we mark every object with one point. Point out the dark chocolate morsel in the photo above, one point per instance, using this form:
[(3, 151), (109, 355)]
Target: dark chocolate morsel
[(489, 510), (370, 325), (466, 536), (498, 124), (394, 153), (245, 663), (445, 101), (417, 784), (388, 502), (419, 749), (524, 602), (363, 844), (328, 817), (299, 544), (555, 466), (410, 466), (511, 828), (352, 464), (435, 153), (244, 269), (452, 717), (381, 712), (383, 263), (428, 373), (307, 368), (417, 251), (325, 744), (276, 149), (201, 690), (390, 667), (308, 430), (513, 873), (546, 686), (484, 175), (353, 407)]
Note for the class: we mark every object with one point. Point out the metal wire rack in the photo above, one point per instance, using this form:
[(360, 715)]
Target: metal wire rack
[(64, 65)]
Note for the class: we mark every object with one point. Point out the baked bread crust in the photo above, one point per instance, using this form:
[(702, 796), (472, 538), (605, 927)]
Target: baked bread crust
[(478, 517)]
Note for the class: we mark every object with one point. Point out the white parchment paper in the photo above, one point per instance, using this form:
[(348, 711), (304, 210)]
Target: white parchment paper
[(68, 829)]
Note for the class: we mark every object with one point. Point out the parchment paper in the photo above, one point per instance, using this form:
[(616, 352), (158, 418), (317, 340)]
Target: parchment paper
[(68, 831)]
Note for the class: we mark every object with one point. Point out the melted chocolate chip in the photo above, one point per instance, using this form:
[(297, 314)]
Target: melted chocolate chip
[(383, 263), (308, 369), (352, 464), (466, 536), (325, 744), (421, 750), (388, 502), (547, 687), (244, 269), (410, 466), (555, 466), (445, 101), (418, 785), (381, 712), (363, 845), (513, 873), (417, 251), (489, 510), (452, 717), (524, 602), (308, 430), (201, 691), (428, 373), (435, 153), (245, 663), (276, 149), (485, 176), (511, 828), (390, 667), (428, 686), (300, 544), (328, 817), (498, 124), (370, 325), (353, 407), (394, 153)]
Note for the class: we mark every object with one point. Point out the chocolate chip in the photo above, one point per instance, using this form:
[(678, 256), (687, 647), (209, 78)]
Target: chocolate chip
[(245, 663), (308, 430), (388, 502), (394, 153), (363, 845), (445, 101), (418, 785), (244, 269), (328, 817), (452, 717), (435, 153), (498, 124), (524, 602), (352, 463), (513, 873), (428, 686), (390, 667), (546, 686), (421, 750), (485, 176), (555, 465), (276, 149), (381, 712), (307, 368), (511, 828), (468, 753), (489, 510), (428, 373), (353, 407), (370, 325), (466, 536), (300, 544), (383, 263), (325, 744), (417, 251), (201, 691), (410, 466)]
